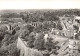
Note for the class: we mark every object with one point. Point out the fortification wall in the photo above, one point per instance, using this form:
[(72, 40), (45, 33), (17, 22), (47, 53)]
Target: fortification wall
[(25, 51)]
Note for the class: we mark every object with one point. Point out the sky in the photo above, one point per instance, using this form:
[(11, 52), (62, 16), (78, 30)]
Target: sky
[(39, 4)]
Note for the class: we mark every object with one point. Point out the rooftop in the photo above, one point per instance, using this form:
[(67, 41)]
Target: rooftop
[(77, 17)]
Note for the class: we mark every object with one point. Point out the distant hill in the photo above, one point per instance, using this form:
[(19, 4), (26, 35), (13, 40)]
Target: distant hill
[(10, 11), (25, 10)]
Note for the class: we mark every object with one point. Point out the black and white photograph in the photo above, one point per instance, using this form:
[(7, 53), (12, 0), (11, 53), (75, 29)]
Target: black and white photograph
[(39, 27)]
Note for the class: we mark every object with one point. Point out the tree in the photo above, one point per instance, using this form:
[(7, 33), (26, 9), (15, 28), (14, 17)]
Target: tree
[(49, 44), (3, 51), (38, 29), (5, 40), (39, 42), (24, 33), (10, 50), (30, 28), (59, 26), (9, 38), (45, 27), (2, 31), (13, 32), (30, 40), (53, 25), (77, 36), (75, 27), (41, 19), (25, 17), (2, 35)]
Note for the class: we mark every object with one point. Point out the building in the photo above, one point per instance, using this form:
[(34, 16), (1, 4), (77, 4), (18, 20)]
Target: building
[(77, 17), (76, 20), (73, 47)]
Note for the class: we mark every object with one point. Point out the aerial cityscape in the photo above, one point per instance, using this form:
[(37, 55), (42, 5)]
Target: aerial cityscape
[(40, 32)]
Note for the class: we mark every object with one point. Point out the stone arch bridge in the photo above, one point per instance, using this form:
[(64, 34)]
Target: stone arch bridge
[(12, 26)]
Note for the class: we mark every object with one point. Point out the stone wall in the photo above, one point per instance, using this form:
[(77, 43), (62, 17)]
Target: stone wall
[(26, 51)]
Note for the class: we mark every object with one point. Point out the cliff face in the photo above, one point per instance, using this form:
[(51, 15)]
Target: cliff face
[(25, 51)]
